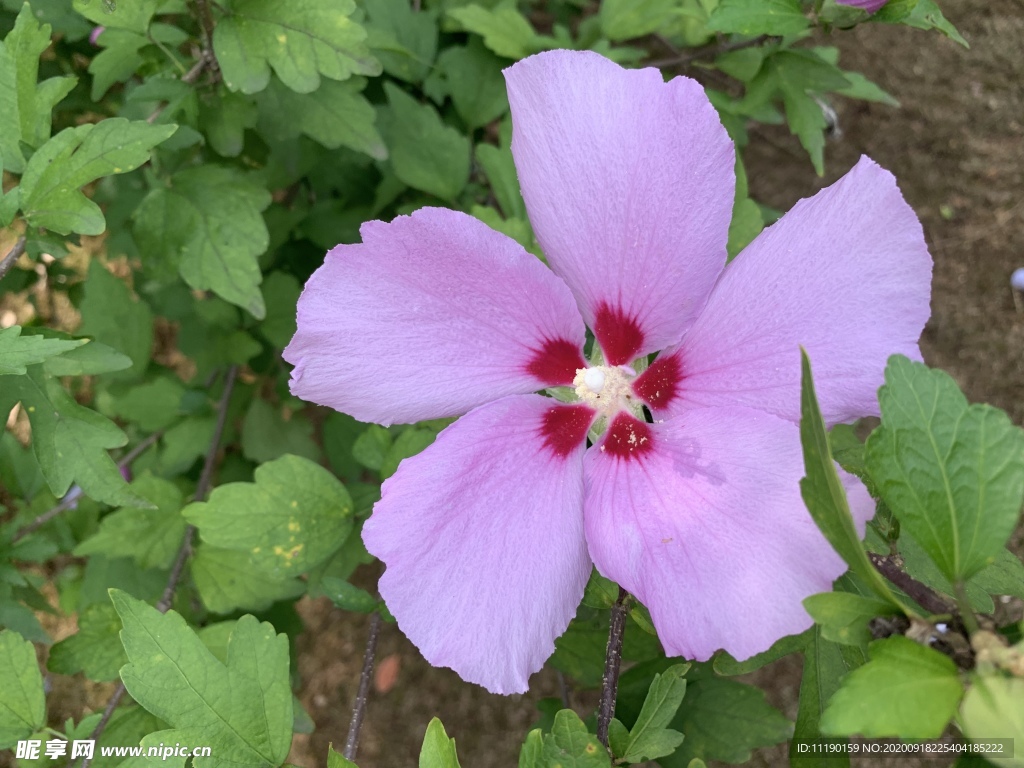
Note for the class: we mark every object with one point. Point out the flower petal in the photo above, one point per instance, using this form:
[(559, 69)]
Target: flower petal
[(431, 315), (707, 528), (846, 274), (482, 535), (629, 184)]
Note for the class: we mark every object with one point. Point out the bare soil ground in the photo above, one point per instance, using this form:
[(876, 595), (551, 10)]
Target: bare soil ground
[(957, 148)]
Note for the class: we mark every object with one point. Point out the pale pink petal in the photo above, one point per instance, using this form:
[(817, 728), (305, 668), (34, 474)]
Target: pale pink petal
[(629, 184), (482, 535), (431, 315), (845, 273), (703, 521)]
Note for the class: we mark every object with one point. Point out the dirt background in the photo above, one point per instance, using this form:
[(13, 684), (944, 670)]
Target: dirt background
[(957, 148)]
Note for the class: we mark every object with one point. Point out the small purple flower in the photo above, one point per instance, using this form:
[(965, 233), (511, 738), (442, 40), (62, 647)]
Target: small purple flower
[(94, 36), (868, 5), (489, 534)]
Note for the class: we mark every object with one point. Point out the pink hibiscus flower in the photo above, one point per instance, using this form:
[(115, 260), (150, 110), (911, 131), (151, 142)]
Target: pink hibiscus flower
[(490, 533)]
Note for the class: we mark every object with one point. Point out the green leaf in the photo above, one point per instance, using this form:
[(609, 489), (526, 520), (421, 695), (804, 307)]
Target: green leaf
[(151, 537), (17, 351), (807, 123), (223, 118), (758, 17), (844, 616), (371, 447), (408, 443), (266, 435), (926, 15), (404, 40), (112, 316), (570, 745), (228, 580), (242, 710), (823, 493), (724, 664), (1004, 577), (85, 360), (501, 173), (347, 596), (51, 195), (25, 104), (650, 737), (472, 78), (95, 649), (438, 750), (290, 520), (208, 223), (70, 441), (905, 690), (627, 19), (22, 702), (335, 760), (118, 61), (134, 15), (154, 405), (504, 29), (952, 473), (300, 39), (280, 294), (724, 720), (825, 664), (531, 754), (994, 709), (426, 154), (336, 115)]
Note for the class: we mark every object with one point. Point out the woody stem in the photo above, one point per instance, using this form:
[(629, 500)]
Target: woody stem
[(612, 662)]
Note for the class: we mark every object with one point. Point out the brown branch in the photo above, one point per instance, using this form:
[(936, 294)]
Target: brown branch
[(612, 662), (359, 709), (12, 256), (682, 60), (205, 60), (69, 501), (924, 596), (178, 569)]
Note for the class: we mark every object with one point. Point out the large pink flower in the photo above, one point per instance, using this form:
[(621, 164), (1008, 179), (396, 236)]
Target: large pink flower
[(489, 534)]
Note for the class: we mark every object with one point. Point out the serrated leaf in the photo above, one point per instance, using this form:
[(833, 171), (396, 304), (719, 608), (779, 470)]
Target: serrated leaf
[(905, 690), (504, 29), (927, 15), (94, 650), (154, 405), (280, 293), (118, 61), (371, 447), (17, 351), (408, 443), (51, 195), (208, 223), (822, 490), (86, 360), (438, 751), (223, 118), (501, 173), (70, 441), (650, 738), (570, 745), (266, 435), (426, 154), (724, 664), (242, 710), (628, 19), (227, 580), (347, 596), (471, 76), (151, 537), (403, 39), (336, 115), (843, 616), (25, 103), (126, 14), (112, 316), (724, 720), (300, 40), (22, 702), (952, 473), (291, 519), (758, 17)]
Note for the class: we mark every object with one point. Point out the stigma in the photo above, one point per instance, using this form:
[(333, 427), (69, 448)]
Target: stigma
[(606, 388)]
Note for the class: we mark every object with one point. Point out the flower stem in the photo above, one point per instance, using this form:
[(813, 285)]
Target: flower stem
[(359, 709), (612, 662), (963, 604)]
